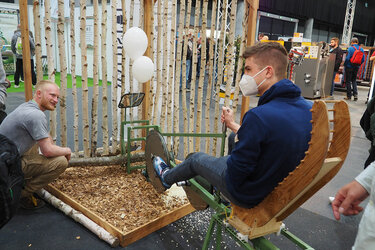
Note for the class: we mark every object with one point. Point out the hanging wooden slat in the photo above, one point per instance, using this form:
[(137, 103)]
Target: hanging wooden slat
[(114, 77), (85, 90), (104, 78), (50, 61), (95, 89), (202, 74), (63, 72), (73, 73), (210, 80), (38, 41)]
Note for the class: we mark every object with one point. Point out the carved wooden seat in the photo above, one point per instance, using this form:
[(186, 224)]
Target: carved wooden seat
[(328, 147)]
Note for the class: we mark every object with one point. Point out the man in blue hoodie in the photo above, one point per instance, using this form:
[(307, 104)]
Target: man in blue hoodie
[(352, 70), (271, 141)]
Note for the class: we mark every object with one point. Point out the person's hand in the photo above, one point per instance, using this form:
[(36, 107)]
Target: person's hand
[(68, 155), (348, 198), (227, 117), (8, 82)]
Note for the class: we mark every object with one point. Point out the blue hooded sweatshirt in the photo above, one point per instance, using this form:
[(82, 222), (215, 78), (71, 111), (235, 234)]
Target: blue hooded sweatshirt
[(272, 141)]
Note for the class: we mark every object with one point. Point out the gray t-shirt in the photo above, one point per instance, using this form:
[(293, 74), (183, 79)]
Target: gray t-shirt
[(25, 126)]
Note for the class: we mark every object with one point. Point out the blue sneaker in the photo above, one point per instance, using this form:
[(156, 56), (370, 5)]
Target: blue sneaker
[(160, 168)]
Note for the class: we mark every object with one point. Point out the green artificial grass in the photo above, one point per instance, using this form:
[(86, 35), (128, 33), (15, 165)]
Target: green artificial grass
[(90, 82)]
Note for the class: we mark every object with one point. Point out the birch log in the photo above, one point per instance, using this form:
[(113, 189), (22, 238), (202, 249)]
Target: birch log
[(240, 60), (123, 55), (51, 62), (176, 119), (201, 75), (171, 86), (194, 72), (114, 77), (220, 47), (95, 88), (63, 71), (80, 218), (38, 42), (73, 73), (85, 90), (210, 71), (152, 56), (184, 80), (131, 78), (165, 96), (158, 67), (104, 78), (231, 53), (140, 85)]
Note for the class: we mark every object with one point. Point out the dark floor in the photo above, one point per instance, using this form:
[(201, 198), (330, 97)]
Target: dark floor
[(48, 228)]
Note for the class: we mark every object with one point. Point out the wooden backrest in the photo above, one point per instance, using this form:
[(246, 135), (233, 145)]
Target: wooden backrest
[(279, 200)]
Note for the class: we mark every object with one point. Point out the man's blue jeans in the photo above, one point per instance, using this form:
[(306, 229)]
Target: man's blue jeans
[(211, 168), (188, 66)]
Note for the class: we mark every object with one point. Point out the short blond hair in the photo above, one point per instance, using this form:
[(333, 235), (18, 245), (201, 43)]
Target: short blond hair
[(40, 85)]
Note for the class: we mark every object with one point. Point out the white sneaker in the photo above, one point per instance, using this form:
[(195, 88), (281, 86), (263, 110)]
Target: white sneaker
[(16, 86)]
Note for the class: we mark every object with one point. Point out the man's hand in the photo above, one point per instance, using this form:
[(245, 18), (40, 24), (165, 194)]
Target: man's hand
[(227, 117), (8, 83), (69, 153), (348, 198)]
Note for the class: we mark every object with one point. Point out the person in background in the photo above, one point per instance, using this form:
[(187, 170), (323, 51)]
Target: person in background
[(16, 46), (4, 84), (335, 49), (351, 71)]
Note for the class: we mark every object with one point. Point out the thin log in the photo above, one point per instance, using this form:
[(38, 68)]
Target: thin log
[(176, 119), (50, 60), (171, 86), (158, 67), (73, 73), (123, 64), (210, 71), (149, 86), (85, 90), (63, 71), (231, 53), (202, 74), (165, 95), (80, 218), (220, 47), (194, 73), (25, 37), (184, 100), (104, 78), (140, 85), (95, 89), (38, 41), (136, 156), (131, 78), (240, 60), (114, 77)]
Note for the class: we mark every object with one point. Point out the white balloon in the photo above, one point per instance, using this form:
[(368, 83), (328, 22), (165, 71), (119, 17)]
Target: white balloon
[(143, 69), (135, 42)]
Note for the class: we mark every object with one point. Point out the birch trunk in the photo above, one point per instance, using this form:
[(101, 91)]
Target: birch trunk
[(165, 97), (131, 78), (194, 72), (171, 86), (85, 90), (104, 78), (176, 119), (63, 69), (73, 73), (231, 53), (158, 67), (184, 80), (95, 88), (114, 77), (38, 42), (151, 44), (220, 47), (80, 218), (202, 74), (140, 85), (51, 62), (123, 55), (240, 60), (210, 71)]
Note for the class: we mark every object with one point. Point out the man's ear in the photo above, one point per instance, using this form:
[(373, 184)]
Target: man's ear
[(270, 72)]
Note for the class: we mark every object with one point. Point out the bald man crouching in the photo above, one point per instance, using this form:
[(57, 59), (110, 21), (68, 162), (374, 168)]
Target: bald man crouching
[(27, 128)]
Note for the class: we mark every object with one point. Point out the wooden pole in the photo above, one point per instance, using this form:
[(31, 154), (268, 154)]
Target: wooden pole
[(104, 78), (146, 86), (38, 43), (26, 49), (114, 77), (251, 28)]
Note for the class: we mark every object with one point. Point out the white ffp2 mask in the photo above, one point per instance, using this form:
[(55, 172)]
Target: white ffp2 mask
[(248, 84)]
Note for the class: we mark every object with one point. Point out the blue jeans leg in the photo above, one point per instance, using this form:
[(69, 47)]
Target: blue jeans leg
[(211, 168), (188, 73)]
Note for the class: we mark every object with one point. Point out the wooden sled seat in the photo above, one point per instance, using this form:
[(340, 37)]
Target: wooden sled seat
[(328, 148)]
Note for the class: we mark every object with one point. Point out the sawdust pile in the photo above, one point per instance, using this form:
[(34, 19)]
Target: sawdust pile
[(127, 201)]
